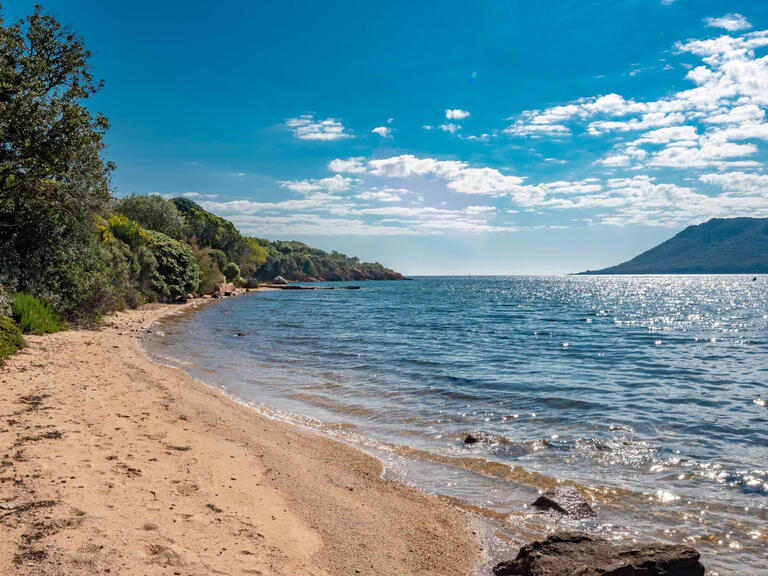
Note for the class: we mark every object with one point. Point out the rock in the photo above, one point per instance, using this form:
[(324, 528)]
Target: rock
[(474, 438), (565, 500), (574, 554), (279, 280)]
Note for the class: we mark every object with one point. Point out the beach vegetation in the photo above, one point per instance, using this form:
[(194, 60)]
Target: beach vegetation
[(34, 316), (154, 213), (10, 337), (67, 241), (177, 273), (210, 272), (231, 271)]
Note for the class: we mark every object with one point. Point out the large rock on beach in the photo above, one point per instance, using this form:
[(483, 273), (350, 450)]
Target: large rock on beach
[(279, 280), (575, 554), (565, 500)]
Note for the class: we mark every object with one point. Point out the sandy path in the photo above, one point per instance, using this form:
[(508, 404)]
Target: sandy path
[(112, 464)]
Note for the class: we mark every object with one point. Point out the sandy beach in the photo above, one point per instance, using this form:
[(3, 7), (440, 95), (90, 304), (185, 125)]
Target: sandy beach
[(113, 464)]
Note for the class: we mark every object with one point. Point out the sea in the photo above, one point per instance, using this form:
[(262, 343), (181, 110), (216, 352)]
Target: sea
[(649, 394)]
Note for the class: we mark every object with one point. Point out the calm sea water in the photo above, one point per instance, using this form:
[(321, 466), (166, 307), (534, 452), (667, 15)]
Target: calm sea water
[(647, 393)]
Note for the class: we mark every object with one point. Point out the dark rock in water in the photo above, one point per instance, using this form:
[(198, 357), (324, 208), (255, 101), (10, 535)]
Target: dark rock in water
[(475, 437), (574, 554), (242, 333), (565, 500)]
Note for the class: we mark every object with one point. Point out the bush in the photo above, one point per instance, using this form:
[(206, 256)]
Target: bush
[(210, 273), (10, 338), (125, 230), (5, 305), (219, 257), (177, 271), (34, 316), (231, 271), (154, 213)]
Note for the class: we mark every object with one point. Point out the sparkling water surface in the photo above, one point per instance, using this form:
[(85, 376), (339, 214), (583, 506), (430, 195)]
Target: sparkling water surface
[(647, 393)]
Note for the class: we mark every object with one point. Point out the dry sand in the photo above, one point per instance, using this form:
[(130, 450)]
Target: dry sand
[(112, 464)]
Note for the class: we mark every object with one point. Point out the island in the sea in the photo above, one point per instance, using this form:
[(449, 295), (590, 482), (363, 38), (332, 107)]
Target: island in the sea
[(718, 246)]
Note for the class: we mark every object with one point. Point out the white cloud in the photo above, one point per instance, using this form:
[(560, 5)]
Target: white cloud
[(354, 165), (334, 184), (383, 131), (739, 182), (305, 127), (450, 127), (456, 114), (379, 195), (730, 22)]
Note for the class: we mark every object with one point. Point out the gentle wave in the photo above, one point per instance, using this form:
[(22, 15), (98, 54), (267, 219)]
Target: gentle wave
[(646, 393)]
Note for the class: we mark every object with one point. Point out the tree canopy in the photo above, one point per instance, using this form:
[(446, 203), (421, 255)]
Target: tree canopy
[(52, 174)]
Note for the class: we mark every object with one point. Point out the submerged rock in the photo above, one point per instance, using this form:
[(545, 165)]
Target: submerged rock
[(565, 500), (574, 554)]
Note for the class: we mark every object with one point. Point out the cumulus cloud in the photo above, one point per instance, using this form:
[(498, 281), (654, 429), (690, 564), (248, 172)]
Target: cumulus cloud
[(305, 127), (456, 114), (334, 184), (450, 127), (354, 165), (386, 195), (383, 131), (730, 22)]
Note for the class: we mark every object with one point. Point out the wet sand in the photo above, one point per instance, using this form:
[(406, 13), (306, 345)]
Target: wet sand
[(113, 464)]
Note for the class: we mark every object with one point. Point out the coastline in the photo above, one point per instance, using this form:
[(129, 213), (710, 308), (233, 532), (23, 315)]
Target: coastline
[(116, 464)]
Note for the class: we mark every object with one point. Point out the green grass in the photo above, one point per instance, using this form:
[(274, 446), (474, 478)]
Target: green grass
[(34, 316), (10, 338)]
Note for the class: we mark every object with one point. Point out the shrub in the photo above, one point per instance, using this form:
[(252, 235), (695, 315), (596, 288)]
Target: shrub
[(128, 231), (154, 213), (219, 257), (231, 271), (210, 273), (5, 305), (177, 272), (10, 338), (34, 316)]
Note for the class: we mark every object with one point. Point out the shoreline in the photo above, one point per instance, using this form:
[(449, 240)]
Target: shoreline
[(119, 464)]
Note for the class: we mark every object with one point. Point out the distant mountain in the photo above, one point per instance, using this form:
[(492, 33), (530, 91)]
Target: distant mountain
[(719, 246)]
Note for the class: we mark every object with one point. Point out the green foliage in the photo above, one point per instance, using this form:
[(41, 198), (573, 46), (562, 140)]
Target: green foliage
[(10, 338), (153, 213), (219, 257), (210, 273), (5, 305), (231, 271), (52, 176), (208, 230), (34, 316), (258, 258), (125, 230), (177, 272)]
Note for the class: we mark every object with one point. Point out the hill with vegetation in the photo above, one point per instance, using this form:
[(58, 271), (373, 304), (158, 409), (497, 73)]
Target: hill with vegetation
[(70, 251), (719, 246)]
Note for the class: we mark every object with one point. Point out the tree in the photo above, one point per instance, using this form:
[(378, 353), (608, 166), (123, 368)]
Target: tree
[(153, 213), (177, 272), (52, 176), (231, 271)]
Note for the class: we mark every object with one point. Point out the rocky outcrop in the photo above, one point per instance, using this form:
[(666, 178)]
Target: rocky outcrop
[(574, 554), (565, 500), (279, 280)]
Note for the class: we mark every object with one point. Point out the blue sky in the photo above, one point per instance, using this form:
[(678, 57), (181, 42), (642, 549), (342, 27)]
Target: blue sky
[(451, 137)]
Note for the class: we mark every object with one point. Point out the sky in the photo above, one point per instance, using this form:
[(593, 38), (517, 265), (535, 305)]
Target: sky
[(492, 137)]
